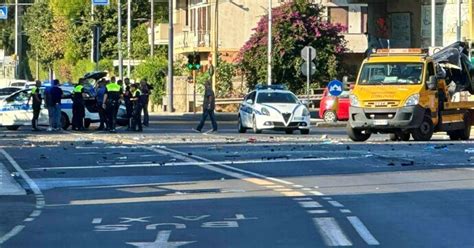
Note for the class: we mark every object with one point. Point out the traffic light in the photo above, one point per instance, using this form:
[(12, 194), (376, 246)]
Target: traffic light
[(194, 61)]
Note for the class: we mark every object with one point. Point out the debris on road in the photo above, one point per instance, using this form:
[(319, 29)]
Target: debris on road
[(469, 150)]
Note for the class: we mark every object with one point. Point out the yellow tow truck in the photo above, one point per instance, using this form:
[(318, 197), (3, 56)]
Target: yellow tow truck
[(406, 92)]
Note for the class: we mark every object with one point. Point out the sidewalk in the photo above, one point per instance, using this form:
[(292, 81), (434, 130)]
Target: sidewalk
[(8, 185)]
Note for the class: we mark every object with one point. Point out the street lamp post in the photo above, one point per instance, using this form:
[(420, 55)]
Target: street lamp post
[(16, 39), (269, 52), (119, 38), (152, 28), (129, 32), (170, 56), (215, 44)]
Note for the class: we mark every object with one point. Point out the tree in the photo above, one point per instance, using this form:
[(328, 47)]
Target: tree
[(224, 74), (154, 71), (295, 24)]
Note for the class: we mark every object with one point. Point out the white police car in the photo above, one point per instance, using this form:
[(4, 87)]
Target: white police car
[(274, 108), (14, 111)]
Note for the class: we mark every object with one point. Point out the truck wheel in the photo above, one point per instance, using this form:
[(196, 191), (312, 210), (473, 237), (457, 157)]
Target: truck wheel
[(462, 134), (404, 136), (425, 131), (240, 127), (330, 116), (357, 135), (394, 137)]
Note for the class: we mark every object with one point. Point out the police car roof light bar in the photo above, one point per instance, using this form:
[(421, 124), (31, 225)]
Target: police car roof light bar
[(270, 87)]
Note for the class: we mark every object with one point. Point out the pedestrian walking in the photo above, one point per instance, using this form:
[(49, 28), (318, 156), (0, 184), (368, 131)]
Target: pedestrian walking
[(145, 92), (78, 107), (111, 104), (137, 101), (100, 102), (128, 104), (36, 96), (56, 95), (208, 108), (48, 103)]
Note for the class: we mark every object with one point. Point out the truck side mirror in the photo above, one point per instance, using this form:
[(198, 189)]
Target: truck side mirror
[(432, 83)]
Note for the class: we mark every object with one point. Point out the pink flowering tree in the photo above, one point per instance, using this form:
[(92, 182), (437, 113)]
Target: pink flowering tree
[(295, 25)]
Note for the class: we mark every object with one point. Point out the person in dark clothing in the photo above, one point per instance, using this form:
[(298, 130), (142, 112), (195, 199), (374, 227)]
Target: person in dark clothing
[(48, 103), (111, 104), (208, 107), (78, 107), (56, 95), (128, 104), (35, 94), (137, 101), (100, 101), (145, 92)]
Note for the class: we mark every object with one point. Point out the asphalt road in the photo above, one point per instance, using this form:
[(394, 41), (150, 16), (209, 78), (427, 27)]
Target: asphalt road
[(169, 187)]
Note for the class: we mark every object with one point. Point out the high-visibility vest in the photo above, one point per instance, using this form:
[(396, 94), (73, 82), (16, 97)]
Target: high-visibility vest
[(113, 87), (78, 89)]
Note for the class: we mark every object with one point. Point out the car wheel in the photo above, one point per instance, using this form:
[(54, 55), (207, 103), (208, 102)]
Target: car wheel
[(304, 131), (394, 137), (65, 123), (425, 131), (330, 116), (289, 131), (240, 127), (254, 126), (357, 135), (13, 128), (87, 123)]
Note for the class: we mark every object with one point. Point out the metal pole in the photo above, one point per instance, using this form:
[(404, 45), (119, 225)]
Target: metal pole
[(308, 72), (459, 30), (194, 91), (129, 32), (93, 30), (269, 52), (170, 56), (433, 23), (152, 28), (119, 37), (215, 44), (16, 39)]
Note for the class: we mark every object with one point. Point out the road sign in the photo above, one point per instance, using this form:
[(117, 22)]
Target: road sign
[(3, 12), (304, 68), (308, 51), (100, 2), (335, 88)]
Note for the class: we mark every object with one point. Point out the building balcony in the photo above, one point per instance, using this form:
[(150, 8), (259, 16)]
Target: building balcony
[(356, 43)]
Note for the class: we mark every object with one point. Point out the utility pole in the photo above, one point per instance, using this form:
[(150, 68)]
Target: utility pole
[(17, 54), (93, 30), (433, 23), (119, 37), (459, 22), (152, 28), (170, 55), (269, 52), (129, 34), (215, 44)]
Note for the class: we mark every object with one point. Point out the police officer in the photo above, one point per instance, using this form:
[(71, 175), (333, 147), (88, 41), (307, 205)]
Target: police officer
[(35, 94), (78, 108), (137, 101), (112, 104), (128, 104)]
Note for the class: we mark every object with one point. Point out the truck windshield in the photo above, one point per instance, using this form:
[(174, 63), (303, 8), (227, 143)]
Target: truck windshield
[(391, 73)]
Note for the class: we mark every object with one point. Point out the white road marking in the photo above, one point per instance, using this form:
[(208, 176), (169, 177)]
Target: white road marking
[(310, 204), (336, 204), (11, 233), (35, 213), (306, 189), (331, 232), (362, 230), (139, 219), (29, 219), (327, 198), (345, 211), (176, 225), (96, 220), (316, 193), (274, 186), (241, 217), (161, 241), (303, 199), (36, 190), (298, 186), (319, 211), (192, 218)]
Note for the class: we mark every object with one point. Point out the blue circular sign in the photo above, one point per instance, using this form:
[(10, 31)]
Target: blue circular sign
[(335, 88)]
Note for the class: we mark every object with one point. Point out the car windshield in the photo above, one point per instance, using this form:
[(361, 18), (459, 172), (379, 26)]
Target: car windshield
[(276, 97), (391, 73)]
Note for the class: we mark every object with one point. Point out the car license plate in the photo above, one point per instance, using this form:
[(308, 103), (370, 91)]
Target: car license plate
[(381, 122)]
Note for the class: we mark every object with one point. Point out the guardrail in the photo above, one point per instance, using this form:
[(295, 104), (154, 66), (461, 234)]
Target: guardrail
[(227, 101)]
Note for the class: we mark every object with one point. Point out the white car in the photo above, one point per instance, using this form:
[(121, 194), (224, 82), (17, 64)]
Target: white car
[(14, 111), (273, 108)]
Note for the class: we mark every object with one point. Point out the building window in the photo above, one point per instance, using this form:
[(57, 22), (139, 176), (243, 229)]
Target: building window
[(339, 15), (364, 21)]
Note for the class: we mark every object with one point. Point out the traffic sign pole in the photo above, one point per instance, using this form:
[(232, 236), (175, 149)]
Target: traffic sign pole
[(308, 72)]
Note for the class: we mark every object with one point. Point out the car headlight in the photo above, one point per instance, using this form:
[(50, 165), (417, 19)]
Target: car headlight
[(265, 111), (413, 100), (354, 101), (306, 112)]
